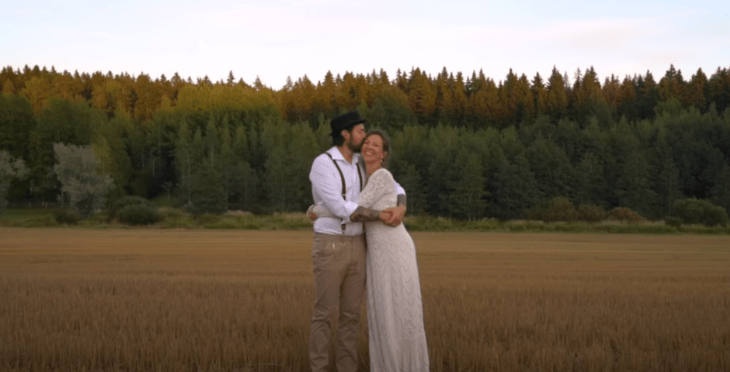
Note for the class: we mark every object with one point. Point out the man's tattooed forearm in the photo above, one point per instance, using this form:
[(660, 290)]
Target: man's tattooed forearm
[(401, 199), (364, 215)]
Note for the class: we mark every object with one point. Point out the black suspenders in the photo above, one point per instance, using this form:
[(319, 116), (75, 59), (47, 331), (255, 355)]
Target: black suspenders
[(342, 177)]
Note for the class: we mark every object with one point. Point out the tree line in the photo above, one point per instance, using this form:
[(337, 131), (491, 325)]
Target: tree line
[(463, 147)]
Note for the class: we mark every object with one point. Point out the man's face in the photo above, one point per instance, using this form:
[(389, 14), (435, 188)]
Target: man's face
[(355, 141)]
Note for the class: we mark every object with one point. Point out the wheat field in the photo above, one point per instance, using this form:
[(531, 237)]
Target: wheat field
[(202, 300)]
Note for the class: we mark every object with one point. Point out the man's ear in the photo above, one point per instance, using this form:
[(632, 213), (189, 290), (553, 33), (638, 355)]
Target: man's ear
[(345, 134)]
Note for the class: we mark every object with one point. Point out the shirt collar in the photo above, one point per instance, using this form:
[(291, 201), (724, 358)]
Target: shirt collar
[(337, 155)]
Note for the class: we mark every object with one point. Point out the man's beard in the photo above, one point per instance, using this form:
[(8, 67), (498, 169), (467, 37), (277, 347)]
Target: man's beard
[(353, 147)]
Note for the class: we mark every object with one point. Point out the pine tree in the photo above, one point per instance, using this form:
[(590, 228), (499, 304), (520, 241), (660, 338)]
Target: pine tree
[(628, 105), (647, 96), (612, 93), (557, 98), (484, 107), (8, 87), (444, 98), (421, 97), (525, 100), (510, 95), (719, 89), (37, 90), (697, 90), (147, 97), (672, 85), (540, 95), (458, 103)]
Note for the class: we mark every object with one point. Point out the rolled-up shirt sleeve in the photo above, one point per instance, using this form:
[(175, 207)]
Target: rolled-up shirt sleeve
[(327, 188), (398, 189)]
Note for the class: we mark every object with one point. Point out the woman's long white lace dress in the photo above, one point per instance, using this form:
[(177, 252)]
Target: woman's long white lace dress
[(397, 340)]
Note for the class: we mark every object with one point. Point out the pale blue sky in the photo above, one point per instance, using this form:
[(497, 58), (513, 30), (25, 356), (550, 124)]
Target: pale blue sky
[(279, 38)]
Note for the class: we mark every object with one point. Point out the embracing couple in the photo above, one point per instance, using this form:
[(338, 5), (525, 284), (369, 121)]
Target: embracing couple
[(360, 245)]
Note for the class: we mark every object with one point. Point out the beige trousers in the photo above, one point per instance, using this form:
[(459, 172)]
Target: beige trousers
[(339, 279)]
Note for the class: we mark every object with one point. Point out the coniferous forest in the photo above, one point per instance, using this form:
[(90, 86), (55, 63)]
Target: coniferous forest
[(463, 146)]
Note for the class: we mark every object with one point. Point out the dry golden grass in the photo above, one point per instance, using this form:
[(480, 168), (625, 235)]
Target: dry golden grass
[(173, 300)]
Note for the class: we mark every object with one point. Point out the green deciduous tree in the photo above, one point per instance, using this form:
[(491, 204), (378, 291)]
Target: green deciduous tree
[(696, 211), (61, 121), (78, 170), (10, 169)]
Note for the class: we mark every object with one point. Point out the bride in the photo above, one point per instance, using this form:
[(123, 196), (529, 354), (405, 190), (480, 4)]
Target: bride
[(397, 340)]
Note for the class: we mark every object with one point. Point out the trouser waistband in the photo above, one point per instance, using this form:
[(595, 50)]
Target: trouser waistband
[(342, 237)]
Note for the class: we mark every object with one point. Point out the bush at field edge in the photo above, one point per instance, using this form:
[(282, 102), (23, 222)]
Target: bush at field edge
[(139, 214)]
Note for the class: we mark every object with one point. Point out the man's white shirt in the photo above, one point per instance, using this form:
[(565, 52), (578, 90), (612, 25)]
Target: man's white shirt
[(327, 191)]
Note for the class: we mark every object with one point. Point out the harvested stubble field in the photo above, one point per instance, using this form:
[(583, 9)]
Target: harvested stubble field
[(201, 300)]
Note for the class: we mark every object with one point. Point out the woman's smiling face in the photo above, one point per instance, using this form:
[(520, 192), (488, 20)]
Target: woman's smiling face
[(372, 149)]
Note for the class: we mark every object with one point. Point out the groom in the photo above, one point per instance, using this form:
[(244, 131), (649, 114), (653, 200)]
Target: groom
[(338, 253)]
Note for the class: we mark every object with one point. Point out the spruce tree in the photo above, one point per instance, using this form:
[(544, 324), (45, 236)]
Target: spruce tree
[(720, 191), (515, 189), (468, 198), (633, 186), (590, 181)]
